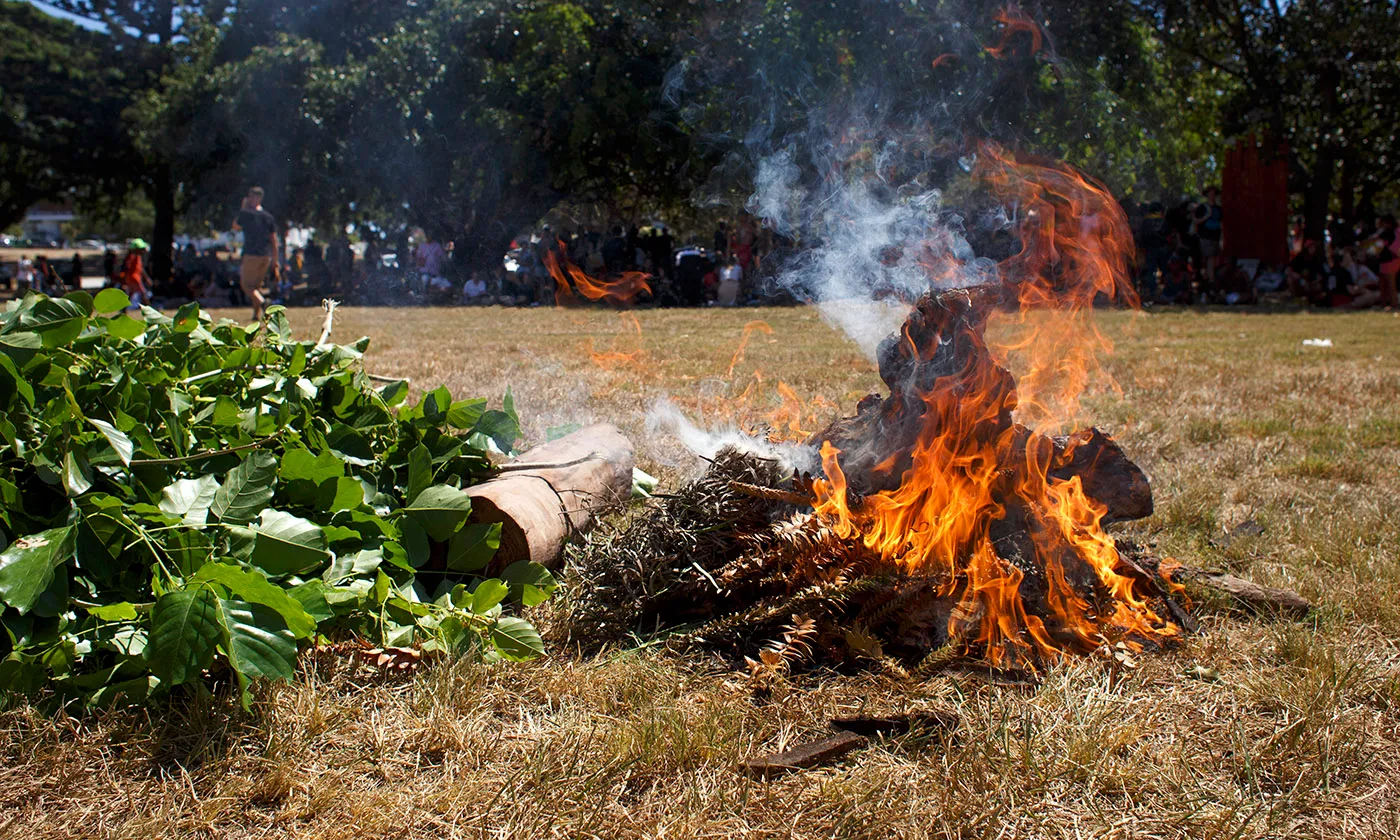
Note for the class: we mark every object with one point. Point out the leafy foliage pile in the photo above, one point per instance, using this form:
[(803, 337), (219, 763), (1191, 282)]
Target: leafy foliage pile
[(188, 503)]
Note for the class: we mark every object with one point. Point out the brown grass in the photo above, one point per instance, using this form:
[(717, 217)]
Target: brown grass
[(1284, 730)]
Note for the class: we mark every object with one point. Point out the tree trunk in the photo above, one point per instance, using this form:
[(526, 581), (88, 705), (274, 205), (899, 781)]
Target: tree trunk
[(1317, 198), (162, 193)]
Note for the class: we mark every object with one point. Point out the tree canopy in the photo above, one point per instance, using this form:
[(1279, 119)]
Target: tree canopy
[(476, 117), (63, 91)]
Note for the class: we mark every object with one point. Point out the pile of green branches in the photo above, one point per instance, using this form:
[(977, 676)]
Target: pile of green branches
[(187, 504)]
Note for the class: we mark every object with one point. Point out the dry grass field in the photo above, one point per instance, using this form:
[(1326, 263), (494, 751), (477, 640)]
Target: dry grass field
[(1253, 729)]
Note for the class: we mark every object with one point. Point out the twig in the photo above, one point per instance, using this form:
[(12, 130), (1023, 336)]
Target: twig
[(770, 493), (328, 305), (518, 467), (374, 377), (202, 456)]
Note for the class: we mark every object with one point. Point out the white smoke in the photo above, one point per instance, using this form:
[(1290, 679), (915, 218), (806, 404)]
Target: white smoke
[(665, 418), (867, 242)]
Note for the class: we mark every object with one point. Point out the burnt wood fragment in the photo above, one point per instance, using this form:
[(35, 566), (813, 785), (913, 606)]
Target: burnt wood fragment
[(1108, 477), (806, 756), (872, 727), (1263, 600)]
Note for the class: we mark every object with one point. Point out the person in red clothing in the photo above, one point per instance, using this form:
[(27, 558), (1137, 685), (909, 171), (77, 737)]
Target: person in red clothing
[(134, 278)]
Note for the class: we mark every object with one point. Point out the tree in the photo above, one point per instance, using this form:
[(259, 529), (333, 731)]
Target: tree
[(62, 94), (147, 36), (474, 118), (1322, 75)]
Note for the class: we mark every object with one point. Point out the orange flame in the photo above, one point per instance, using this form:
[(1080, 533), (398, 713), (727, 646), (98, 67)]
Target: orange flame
[(572, 282), (749, 330), (977, 504), (617, 356), (1015, 22), (786, 420)]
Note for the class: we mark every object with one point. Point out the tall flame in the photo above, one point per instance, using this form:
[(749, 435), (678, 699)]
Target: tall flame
[(977, 504), (572, 282)]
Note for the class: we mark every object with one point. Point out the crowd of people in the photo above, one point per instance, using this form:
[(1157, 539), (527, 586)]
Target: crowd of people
[(1180, 258), (1181, 261)]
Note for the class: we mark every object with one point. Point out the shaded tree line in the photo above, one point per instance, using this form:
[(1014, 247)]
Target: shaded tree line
[(476, 117)]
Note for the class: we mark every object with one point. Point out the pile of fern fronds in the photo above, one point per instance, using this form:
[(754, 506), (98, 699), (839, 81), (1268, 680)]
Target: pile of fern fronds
[(737, 563)]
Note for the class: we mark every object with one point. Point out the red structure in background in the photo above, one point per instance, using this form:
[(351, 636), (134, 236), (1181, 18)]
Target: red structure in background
[(1255, 202)]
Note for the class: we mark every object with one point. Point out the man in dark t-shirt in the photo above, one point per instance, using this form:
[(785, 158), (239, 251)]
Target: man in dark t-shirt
[(259, 248)]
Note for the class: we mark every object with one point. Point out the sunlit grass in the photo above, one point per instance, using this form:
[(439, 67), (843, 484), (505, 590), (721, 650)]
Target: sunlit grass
[(1253, 729)]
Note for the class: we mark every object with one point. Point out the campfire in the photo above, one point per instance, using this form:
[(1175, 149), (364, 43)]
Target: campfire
[(955, 516)]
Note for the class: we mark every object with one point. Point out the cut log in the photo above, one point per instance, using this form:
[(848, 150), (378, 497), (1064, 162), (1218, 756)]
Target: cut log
[(550, 493), (817, 753)]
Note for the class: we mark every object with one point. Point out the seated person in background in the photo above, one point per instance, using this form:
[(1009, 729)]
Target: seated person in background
[(1336, 282), (1235, 284), (1365, 289), (508, 288), (1306, 270), (1176, 287), (474, 291), (731, 277)]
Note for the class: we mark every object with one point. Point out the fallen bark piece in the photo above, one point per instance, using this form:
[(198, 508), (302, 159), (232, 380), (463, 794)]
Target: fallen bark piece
[(871, 727), (806, 756), (550, 493), (1252, 596)]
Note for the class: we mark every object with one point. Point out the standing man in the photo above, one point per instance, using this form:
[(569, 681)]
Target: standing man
[(1210, 218), (259, 248)]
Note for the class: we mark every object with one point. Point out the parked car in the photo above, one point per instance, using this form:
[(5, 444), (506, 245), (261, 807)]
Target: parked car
[(90, 245)]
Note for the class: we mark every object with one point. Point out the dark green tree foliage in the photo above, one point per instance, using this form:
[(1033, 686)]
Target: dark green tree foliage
[(62, 94), (149, 34), (474, 118), (184, 502), (1323, 76), (1074, 82)]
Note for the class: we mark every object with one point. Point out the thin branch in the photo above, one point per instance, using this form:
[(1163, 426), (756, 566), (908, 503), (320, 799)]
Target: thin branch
[(202, 456)]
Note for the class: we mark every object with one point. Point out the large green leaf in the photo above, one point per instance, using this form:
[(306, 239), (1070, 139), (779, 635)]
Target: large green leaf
[(516, 639), (190, 498), (420, 472), (300, 465), (441, 510), (57, 321), (185, 629), (288, 545), (465, 414), (253, 586), (530, 582), (121, 444), (246, 490), (353, 565), (110, 300), (125, 327), (503, 427), (27, 566), (13, 379), (488, 594), (473, 547), (258, 642)]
